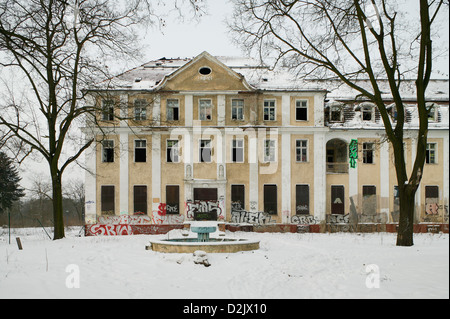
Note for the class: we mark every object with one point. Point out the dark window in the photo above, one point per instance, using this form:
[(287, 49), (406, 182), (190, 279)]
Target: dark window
[(368, 153), (337, 199), (205, 151), (107, 200), (431, 192), (108, 110), (108, 151), (172, 110), (270, 199), (301, 110), (302, 199), (204, 70), (140, 151), (430, 156), (173, 199), (238, 197), (140, 199)]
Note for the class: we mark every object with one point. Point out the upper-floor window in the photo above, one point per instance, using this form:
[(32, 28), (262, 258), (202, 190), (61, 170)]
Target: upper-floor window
[(432, 112), (269, 110), (108, 151), (237, 109), (368, 149), (205, 151), (335, 114), (140, 151), (108, 110), (301, 150), (430, 157), (172, 151), (269, 150), (301, 110), (237, 151), (205, 110), (173, 110), (140, 109)]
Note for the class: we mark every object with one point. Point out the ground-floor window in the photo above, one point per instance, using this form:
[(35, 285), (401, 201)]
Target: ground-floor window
[(238, 197), (302, 199), (270, 199), (140, 199), (369, 204), (432, 200), (107, 200), (173, 199)]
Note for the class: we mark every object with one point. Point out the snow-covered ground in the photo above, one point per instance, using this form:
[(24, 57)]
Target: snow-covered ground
[(339, 265)]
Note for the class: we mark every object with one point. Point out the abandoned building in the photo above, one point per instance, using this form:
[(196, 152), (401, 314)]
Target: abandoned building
[(223, 138)]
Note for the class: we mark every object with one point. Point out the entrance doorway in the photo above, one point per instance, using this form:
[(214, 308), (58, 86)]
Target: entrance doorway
[(337, 199), (206, 204)]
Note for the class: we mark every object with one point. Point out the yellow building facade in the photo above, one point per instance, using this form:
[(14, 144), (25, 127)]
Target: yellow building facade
[(226, 139)]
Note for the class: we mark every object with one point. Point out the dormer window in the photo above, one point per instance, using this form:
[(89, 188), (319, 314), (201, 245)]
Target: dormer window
[(367, 112), (335, 112), (432, 112)]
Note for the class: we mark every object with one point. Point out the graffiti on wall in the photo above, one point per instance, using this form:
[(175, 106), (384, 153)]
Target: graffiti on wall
[(239, 215), (353, 152), (304, 219), (201, 209)]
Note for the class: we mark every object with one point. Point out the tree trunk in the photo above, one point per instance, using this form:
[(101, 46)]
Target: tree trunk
[(406, 219), (58, 216)]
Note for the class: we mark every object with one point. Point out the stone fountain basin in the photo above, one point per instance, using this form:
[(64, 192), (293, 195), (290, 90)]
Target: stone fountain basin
[(214, 245)]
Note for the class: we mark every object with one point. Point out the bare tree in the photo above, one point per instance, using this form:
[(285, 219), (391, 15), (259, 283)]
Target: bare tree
[(60, 47), (351, 40)]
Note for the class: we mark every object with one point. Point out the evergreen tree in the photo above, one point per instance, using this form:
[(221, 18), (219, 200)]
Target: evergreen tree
[(10, 190)]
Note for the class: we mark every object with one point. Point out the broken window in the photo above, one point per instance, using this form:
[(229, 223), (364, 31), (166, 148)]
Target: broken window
[(205, 151), (173, 199), (237, 151), (172, 151), (173, 110), (237, 197), (107, 200), (140, 109), (301, 110), (140, 151), (302, 199), (301, 150), (205, 110), (368, 149), (269, 110), (270, 199), (108, 110), (107, 151), (140, 199), (367, 113), (335, 114), (269, 150), (237, 109)]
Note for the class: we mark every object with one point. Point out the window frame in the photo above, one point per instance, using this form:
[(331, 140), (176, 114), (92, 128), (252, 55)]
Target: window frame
[(174, 150), (274, 147), (141, 105), (428, 152), (136, 147), (171, 107), (236, 147), (200, 148), (269, 107), (366, 151), (202, 107), (237, 107), (108, 110), (301, 147), (105, 148), (298, 105), (368, 109)]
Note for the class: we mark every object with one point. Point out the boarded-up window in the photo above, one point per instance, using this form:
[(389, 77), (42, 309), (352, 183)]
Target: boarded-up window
[(337, 199), (432, 200), (107, 200), (237, 197), (173, 199), (270, 199), (140, 199), (369, 204), (302, 199)]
